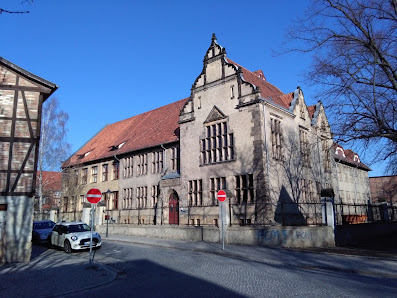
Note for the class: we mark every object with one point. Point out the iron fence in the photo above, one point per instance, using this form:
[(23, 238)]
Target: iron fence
[(364, 213)]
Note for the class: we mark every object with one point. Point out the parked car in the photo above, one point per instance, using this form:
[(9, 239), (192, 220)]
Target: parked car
[(73, 236), (41, 229)]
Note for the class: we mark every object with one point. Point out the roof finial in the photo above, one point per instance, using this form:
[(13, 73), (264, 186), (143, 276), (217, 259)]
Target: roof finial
[(213, 37)]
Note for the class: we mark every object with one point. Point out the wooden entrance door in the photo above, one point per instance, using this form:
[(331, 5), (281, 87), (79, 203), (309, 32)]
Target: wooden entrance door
[(174, 209)]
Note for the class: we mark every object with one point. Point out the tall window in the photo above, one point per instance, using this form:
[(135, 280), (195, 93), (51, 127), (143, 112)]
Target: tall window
[(76, 177), (141, 168), (327, 158), (116, 200), (115, 170), (94, 174), (218, 144), (127, 201), (275, 125), (244, 188), (195, 192), (84, 176), (216, 184), (174, 159), (155, 194), (141, 196), (304, 146), (105, 172), (157, 161), (128, 167)]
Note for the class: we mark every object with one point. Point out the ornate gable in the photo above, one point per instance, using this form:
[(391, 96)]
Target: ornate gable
[(215, 115)]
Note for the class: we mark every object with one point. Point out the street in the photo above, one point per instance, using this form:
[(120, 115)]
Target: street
[(145, 270)]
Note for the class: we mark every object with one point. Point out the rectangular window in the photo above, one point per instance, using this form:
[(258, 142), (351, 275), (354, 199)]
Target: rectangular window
[(275, 125), (127, 198), (216, 184), (195, 188), (116, 170), (84, 176), (175, 159), (94, 174), (115, 200), (244, 188), (155, 194), (326, 156), (105, 172), (218, 146), (128, 167), (76, 177), (141, 196), (141, 168), (304, 147), (157, 161)]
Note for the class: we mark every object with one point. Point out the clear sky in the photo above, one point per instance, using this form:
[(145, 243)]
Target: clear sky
[(116, 59)]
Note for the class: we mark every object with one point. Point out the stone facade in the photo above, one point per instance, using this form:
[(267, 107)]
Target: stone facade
[(21, 97), (269, 151), (351, 180)]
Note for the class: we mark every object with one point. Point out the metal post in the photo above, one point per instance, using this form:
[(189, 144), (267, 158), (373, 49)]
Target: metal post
[(107, 211), (222, 224), (92, 227)]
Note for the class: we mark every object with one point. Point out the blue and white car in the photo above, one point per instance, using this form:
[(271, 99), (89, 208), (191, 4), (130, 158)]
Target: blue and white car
[(73, 236)]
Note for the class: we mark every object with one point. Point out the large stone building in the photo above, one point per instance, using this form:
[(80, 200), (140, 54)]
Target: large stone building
[(21, 97), (236, 132)]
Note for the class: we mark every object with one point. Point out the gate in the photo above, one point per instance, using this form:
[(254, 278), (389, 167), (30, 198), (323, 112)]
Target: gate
[(174, 209)]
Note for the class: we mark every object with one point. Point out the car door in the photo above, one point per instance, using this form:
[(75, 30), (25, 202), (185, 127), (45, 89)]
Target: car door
[(63, 230), (55, 235)]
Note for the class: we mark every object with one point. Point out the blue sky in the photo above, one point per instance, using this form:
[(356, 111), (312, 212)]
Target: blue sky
[(116, 59)]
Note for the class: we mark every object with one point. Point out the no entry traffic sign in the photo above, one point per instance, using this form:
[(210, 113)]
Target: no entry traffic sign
[(94, 195), (221, 195)]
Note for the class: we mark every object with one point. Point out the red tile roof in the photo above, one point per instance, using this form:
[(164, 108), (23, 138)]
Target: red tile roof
[(268, 91), (349, 157), (311, 110), (153, 128), (51, 180)]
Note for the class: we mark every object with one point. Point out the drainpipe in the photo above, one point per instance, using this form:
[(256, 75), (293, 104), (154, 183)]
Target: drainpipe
[(266, 147)]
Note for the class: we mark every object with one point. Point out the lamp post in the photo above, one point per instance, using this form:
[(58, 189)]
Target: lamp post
[(107, 211)]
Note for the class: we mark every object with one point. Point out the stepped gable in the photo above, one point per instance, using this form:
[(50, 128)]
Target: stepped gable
[(149, 129), (268, 91)]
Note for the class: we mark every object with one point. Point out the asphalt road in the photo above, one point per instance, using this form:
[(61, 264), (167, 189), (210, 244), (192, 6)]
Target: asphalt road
[(166, 272)]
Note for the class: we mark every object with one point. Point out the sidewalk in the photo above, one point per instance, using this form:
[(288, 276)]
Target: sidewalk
[(52, 273)]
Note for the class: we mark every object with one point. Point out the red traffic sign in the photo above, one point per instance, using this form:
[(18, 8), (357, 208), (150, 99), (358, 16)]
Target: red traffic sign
[(94, 195), (221, 195)]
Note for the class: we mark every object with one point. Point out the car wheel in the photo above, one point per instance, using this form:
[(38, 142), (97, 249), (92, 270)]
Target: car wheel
[(67, 247)]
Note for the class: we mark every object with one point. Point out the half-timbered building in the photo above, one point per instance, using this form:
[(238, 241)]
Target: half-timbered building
[(21, 97)]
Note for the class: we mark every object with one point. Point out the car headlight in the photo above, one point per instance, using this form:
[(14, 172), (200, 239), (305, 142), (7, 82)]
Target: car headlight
[(74, 238)]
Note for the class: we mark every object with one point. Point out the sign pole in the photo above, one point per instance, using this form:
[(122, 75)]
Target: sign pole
[(222, 197), (92, 227), (94, 195), (223, 233)]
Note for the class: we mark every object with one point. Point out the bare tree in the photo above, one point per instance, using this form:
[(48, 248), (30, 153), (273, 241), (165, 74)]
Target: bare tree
[(354, 43), (16, 11), (53, 146)]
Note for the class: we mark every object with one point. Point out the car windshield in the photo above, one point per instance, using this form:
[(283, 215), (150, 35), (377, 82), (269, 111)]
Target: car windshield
[(78, 228), (43, 225)]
